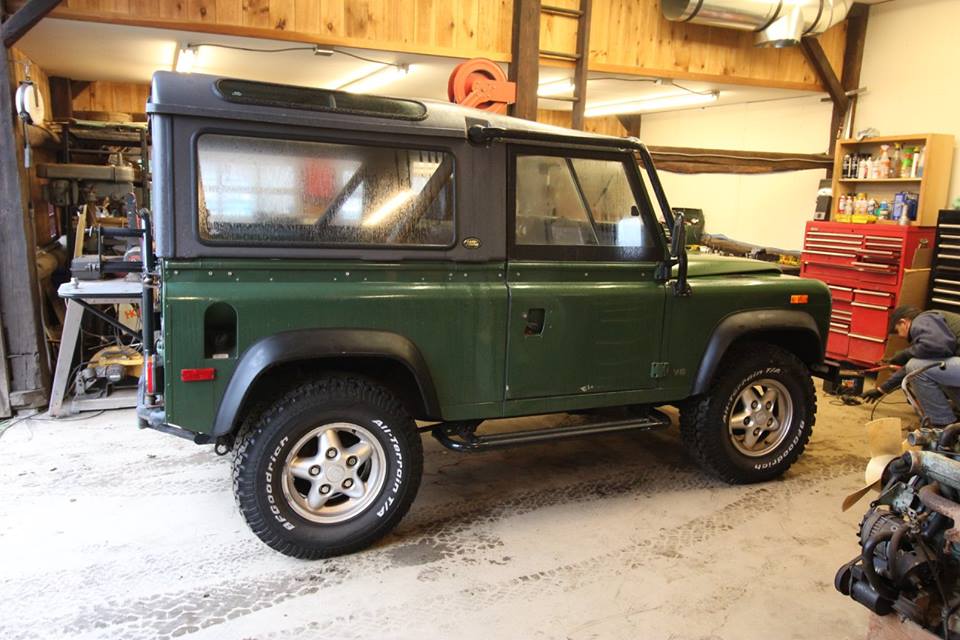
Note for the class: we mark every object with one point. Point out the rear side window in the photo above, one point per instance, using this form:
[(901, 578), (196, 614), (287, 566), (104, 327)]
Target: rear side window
[(267, 192), (564, 201)]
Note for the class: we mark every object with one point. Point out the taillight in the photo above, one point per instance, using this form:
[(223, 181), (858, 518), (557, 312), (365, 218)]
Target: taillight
[(149, 376)]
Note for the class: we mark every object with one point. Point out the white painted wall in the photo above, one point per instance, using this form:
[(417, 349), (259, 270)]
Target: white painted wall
[(910, 70), (769, 210)]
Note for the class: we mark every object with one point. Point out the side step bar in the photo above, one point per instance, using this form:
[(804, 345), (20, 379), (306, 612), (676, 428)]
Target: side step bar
[(461, 436)]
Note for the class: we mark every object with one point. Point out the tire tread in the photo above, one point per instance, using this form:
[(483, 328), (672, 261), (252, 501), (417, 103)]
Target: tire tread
[(252, 431), (695, 413)]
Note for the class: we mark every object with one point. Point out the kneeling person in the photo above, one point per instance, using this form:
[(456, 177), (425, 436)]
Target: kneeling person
[(934, 336)]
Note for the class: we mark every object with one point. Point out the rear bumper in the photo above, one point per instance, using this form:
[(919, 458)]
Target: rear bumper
[(825, 370), (156, 418)]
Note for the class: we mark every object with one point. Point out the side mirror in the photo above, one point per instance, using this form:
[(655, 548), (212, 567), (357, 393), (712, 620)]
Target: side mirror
[(679, 255)]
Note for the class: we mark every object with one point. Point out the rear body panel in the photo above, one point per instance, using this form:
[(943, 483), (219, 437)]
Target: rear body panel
[(433, 304)]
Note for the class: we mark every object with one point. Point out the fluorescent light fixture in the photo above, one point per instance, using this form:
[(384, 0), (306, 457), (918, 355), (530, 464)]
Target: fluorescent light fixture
[(555, 88), (652, 104), (184, 58), (388, 208), (371, 82)]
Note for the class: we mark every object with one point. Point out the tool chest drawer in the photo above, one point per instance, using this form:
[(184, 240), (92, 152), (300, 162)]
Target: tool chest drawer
[(863, 266), (864, 348), (944, 291)]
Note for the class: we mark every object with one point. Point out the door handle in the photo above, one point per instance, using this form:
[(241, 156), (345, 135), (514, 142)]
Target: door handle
[(534, 325)]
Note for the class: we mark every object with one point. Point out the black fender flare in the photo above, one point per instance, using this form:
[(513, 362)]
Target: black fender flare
[(739, 324), (307, 344)]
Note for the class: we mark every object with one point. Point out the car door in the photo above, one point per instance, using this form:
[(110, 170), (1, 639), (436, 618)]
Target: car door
[(586, 309)]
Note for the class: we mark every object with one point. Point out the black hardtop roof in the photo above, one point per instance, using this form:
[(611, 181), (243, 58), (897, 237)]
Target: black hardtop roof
[(197, 95)]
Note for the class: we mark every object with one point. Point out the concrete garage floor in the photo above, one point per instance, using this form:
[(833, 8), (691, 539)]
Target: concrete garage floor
[(111, 532)]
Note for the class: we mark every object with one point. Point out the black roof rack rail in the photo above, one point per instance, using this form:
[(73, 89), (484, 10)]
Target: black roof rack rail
[(485, 134)]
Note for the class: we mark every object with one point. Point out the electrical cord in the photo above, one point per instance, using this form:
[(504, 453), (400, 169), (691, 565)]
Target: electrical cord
[(314, 49), (688, 90)]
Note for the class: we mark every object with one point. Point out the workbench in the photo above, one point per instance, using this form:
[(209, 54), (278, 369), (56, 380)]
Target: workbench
[(93, 293)]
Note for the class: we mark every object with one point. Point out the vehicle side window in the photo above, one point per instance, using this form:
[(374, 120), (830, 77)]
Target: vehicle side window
[(265, 191), (577, 201)]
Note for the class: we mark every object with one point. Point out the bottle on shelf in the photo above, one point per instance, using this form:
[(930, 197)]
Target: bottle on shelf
[(884, 162), (895, 161), (915, 168), (907, 166)]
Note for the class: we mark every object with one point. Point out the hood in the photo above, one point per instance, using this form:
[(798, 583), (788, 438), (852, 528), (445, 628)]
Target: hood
[(710, 265)]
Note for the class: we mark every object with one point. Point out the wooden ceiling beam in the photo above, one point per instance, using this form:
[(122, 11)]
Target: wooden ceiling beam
[(852, 64), (694, 160), (25, 17), (630, 123), (817, 58)]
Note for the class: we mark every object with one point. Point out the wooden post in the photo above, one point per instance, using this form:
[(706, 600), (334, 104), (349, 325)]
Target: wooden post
[(852, 63), (29, 372), (61, 98), (525, 57), (631, 122), (5, 411)]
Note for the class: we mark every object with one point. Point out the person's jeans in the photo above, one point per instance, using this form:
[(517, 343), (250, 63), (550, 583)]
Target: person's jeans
[(933, 387)]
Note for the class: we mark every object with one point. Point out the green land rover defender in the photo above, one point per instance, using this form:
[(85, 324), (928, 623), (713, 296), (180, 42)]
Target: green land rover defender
[(333, 275)]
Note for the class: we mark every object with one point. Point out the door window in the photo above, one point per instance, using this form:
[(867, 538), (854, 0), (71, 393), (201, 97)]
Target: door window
[(578, 202)]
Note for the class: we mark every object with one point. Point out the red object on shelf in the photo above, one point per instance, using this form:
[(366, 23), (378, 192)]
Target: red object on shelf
[(863, 266)]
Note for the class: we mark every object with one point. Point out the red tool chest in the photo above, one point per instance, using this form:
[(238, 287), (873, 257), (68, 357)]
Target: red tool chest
[(863, 266)]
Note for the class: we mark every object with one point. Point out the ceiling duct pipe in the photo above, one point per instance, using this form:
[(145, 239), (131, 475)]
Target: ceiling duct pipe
[(777, 23)]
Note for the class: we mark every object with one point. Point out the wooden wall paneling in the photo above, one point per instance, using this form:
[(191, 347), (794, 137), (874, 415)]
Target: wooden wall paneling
[(120, 97), (444, 23), (256, 13), (607, 125), (203, 10), (467, 20), (627, 36), (488, 21), (283, 16), (220, 11), (558, 33), (601, 14), (331, 17), (425, 27)]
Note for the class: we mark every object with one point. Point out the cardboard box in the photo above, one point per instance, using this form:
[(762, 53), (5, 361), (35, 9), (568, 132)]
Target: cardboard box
[(913, 291)]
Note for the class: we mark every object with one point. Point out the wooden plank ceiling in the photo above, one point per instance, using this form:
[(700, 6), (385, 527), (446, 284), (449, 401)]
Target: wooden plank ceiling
[(627, 36)]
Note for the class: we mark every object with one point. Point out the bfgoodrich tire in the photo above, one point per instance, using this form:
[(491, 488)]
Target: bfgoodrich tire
[(329, 468), (756, 419)]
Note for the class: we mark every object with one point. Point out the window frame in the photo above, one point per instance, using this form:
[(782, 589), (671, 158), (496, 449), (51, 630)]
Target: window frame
[(317, 139), (583, 253)]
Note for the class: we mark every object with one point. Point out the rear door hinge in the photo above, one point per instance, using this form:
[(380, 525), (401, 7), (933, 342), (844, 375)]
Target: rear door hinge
[(659, 369)]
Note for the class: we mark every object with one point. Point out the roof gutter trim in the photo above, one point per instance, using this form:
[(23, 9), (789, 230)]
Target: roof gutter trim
[(309, 119)]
